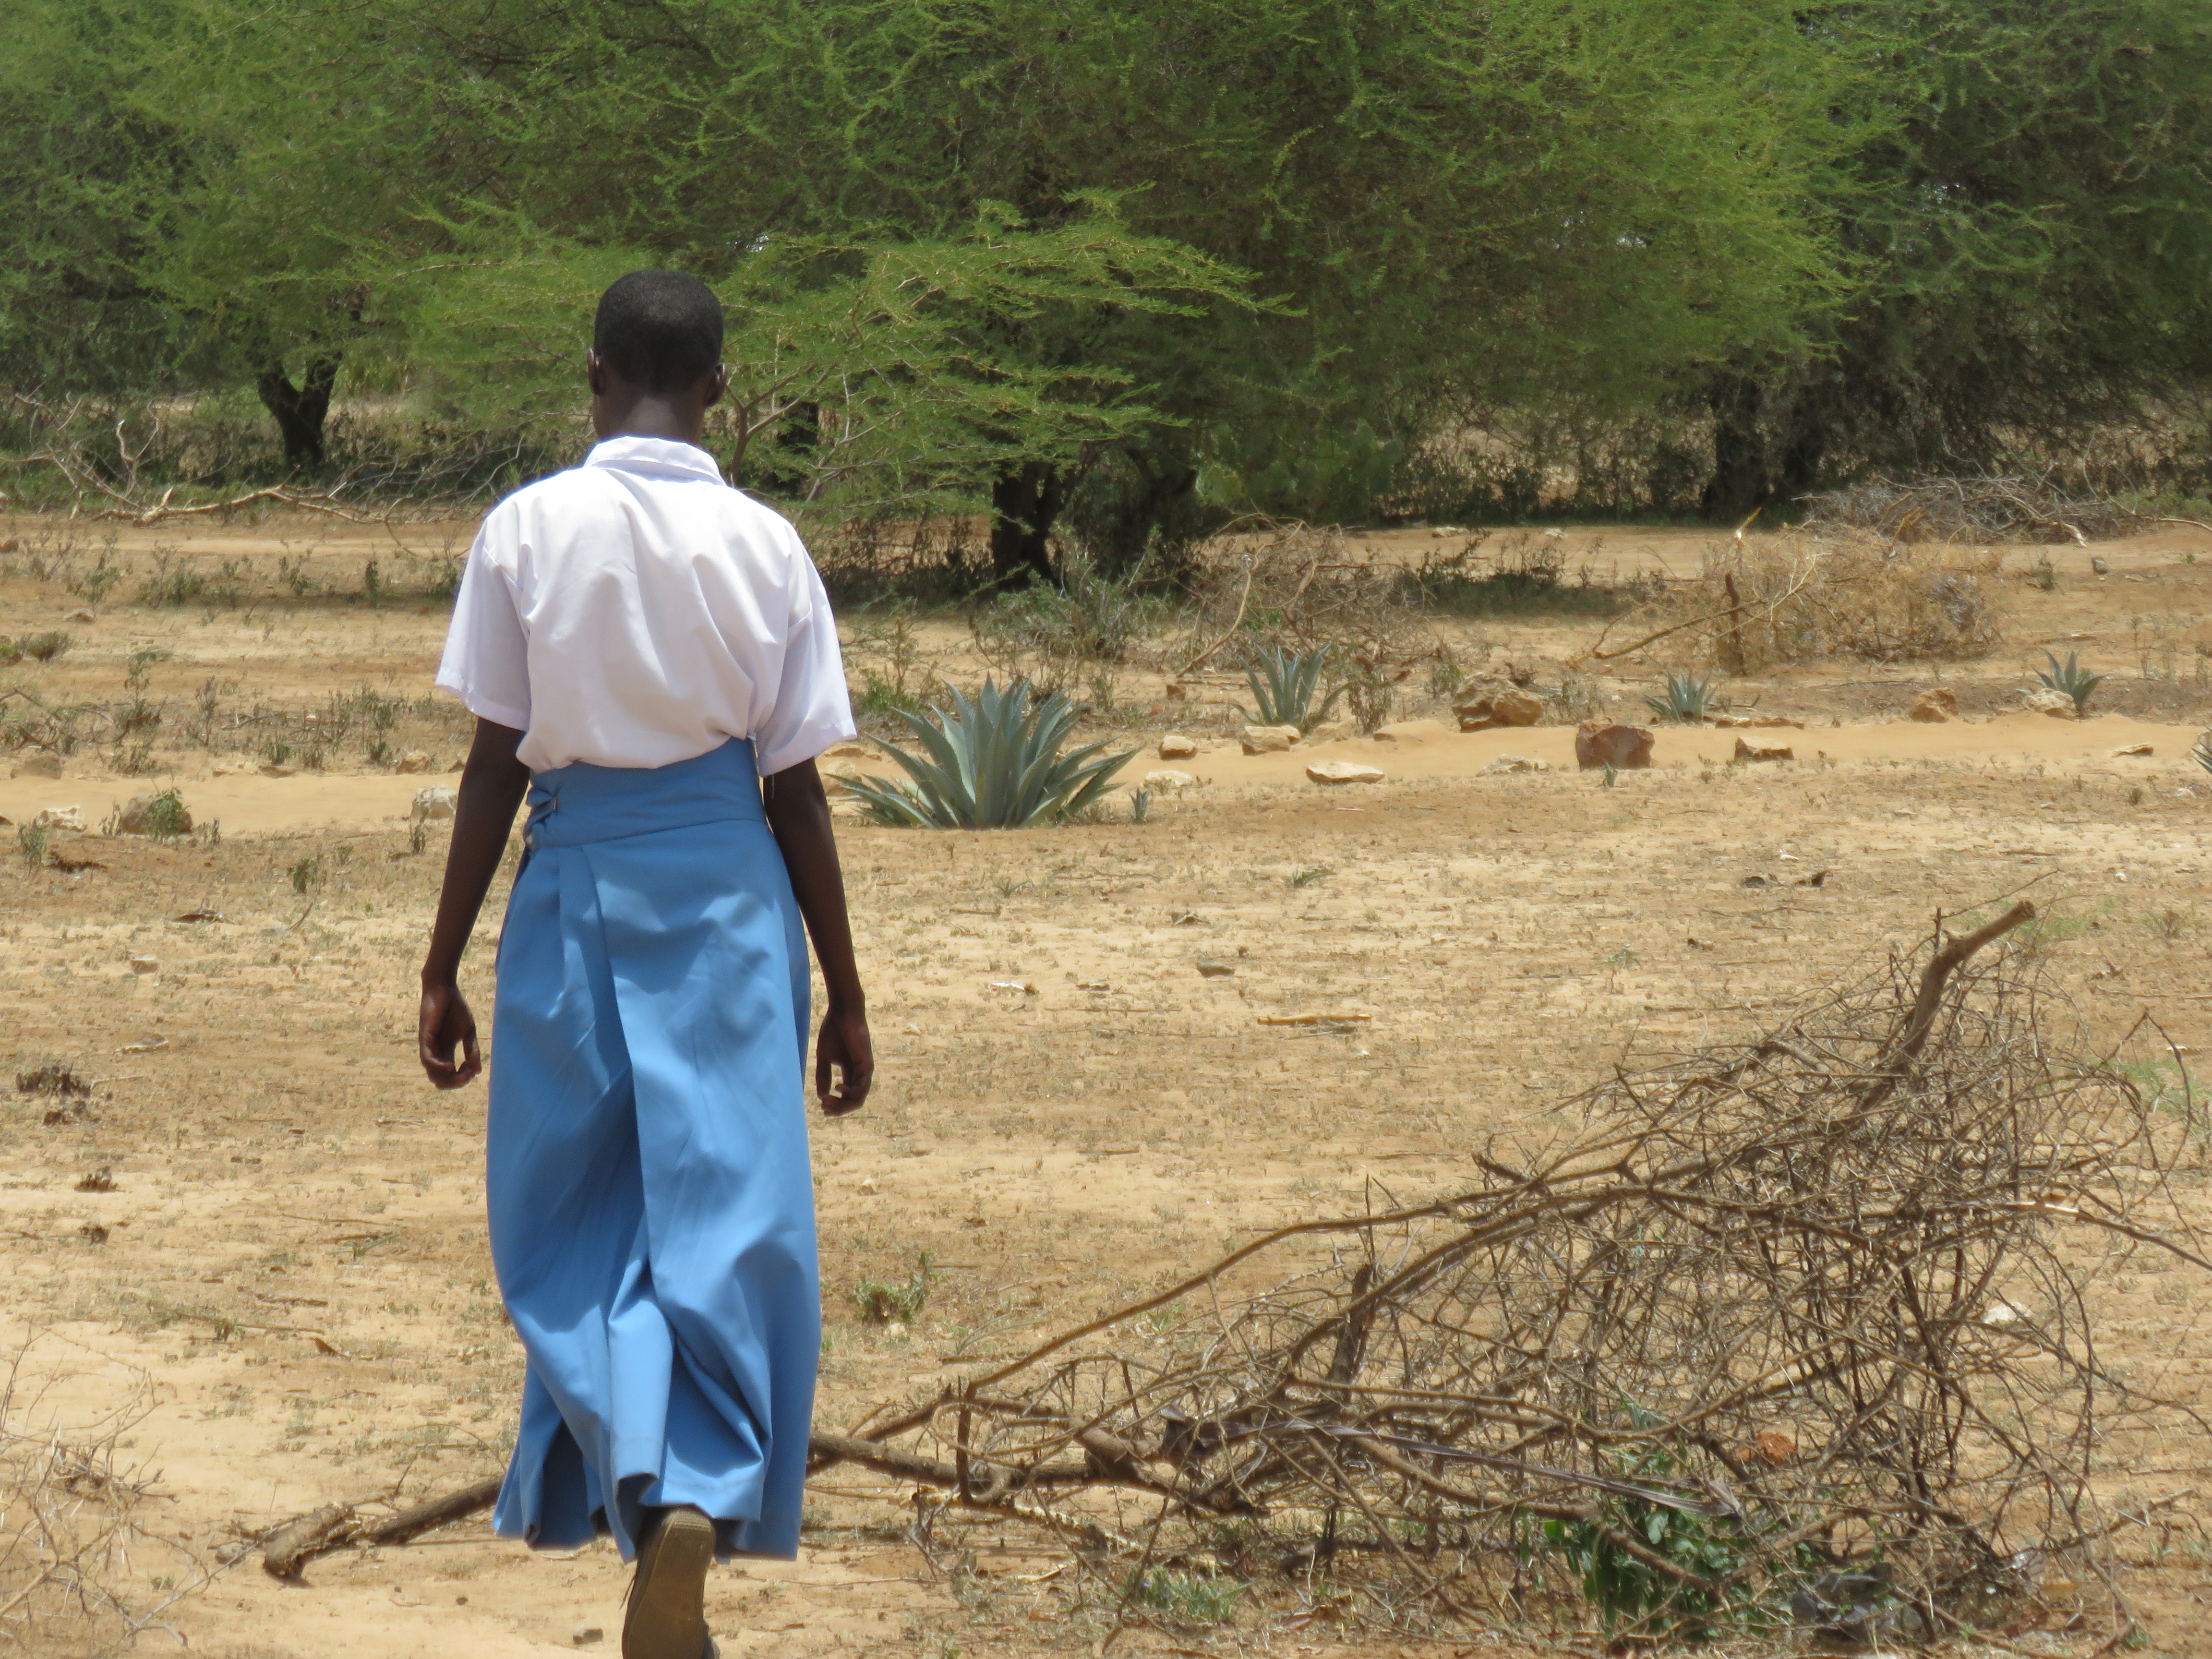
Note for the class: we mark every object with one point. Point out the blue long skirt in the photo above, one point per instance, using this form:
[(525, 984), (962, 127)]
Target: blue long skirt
[(652, 1204)]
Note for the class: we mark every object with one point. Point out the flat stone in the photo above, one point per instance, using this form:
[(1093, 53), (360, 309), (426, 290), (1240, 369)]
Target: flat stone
[(1211, 970), (2044, 701), (1268, 739), (1341, 771), (1764, 751), (1505, 763), (145, 964), (59, 817), (413, 761), (1175, 746), (436, 802), (1169, 779), (2132, 749), (1337, 730)]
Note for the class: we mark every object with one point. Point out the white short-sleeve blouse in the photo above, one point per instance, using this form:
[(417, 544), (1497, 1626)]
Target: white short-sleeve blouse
[(637, 611)]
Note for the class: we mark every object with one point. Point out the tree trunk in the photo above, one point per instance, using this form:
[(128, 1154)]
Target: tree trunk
[(1024, 505), (1739, 482), (300, 410)]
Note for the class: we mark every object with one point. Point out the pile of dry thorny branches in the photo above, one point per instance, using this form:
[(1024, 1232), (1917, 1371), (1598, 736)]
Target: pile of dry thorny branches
[(2020, 509), (81, 1570), (1798, 1331)]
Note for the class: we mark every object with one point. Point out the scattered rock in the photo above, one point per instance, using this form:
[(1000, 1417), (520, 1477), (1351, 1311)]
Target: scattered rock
[(92, 1233), (584, 1635), (1177, 781), (2132, 749), (1209, 968), (80, 615), (1333, 732), (1175, 746), (1268, 739), (270, 769), (134, 818), (39, 766), (1775, 1450), (1937, 704), (2099, 563), (1757, 881), (413, 761), (145, 964), (436, 802), (99, 1181), (1604, 743), (1764, 751), (59, 817), (1495, 706), (1768, 721), (2044, 701), (1515, 763), (1339, 771)]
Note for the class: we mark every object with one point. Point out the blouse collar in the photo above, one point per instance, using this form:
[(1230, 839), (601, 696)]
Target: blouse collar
[(655, 458)]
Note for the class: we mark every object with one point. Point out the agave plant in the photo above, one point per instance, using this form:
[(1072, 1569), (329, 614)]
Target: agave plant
[(1284, 684), (1683, 698), (2070, 679), (990, 763)]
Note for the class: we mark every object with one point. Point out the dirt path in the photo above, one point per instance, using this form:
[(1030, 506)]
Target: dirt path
[(289, 1262)]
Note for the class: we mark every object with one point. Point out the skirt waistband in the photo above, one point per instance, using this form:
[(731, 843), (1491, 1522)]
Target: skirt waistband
[(572, 805)]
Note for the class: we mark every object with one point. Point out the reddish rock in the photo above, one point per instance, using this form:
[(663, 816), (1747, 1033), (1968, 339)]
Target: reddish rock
[(1604, 743)]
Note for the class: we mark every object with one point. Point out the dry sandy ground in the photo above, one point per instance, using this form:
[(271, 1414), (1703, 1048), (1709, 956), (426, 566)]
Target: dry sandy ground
[(293, 1280)]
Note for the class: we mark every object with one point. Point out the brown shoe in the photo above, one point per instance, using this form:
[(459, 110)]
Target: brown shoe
[(667, 1614)]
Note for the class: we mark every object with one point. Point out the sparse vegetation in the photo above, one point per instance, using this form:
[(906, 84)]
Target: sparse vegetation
[(883, 1301), (991, 763), (31, 845), (1284, 684), (1683, 698), (2069, 679)]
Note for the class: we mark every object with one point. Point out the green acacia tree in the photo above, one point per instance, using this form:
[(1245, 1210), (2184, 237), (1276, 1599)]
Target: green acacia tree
[(2026, 230)]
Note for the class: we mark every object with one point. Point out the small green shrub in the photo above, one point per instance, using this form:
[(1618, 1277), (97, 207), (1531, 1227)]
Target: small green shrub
[(1634, 1598), (307, 872), (880, 1301), (1189, 1598), (990, 763), (1284, 683), (1683, 698), (30, 844), (166, 818), (2070, 679)]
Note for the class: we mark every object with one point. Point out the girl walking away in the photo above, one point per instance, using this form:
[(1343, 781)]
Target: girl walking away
[(652, 664)]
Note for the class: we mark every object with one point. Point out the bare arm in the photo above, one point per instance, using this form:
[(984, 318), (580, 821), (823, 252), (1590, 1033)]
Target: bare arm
[(493, 783), (799, 817)]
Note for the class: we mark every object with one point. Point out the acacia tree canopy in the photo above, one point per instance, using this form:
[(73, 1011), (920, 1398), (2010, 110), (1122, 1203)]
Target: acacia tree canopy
[(1118, 261)]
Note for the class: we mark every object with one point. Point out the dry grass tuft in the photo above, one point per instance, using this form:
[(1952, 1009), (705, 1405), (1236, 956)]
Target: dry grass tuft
[(2023, 509), (1793, 599)]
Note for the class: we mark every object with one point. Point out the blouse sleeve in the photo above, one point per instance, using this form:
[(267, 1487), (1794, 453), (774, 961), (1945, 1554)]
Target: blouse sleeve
[(812, 708), (487, 661)]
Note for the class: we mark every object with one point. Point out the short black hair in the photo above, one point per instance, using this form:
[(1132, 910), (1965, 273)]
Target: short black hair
[(659, 329)]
